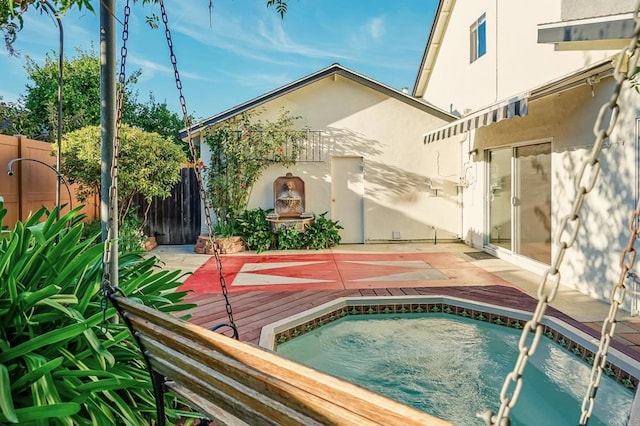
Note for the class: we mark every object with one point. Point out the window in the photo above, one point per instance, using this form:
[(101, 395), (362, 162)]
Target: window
[(478, 33)]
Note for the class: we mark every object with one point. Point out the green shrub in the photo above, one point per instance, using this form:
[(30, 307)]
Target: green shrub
[(256, 230), (289, 238), (321, 233), (149, 164), (130, 234), (58, 365), (91, 230), (242, 148), (258, 234), (227, 228)]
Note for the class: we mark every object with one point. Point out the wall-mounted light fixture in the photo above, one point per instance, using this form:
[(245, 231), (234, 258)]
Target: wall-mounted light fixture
[(59, 175), (473, 152)]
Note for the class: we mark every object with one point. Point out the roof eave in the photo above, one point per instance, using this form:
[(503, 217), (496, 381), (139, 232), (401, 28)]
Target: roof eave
[(335, 69), (598, 33), (436, 34)]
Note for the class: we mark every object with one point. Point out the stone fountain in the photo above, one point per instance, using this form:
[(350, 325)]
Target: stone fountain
[(289, 203)]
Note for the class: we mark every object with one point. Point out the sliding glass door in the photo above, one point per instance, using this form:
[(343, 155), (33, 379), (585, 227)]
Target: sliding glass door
[(533, 201), (500, 197), (519, 199)]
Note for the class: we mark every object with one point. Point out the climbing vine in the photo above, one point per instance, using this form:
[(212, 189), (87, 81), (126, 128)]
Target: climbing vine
[(241, 150)]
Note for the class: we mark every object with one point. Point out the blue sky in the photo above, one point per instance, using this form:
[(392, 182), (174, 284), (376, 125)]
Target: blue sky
[(246, 50)]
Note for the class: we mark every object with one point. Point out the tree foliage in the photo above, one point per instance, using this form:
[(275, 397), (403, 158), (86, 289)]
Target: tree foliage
[(241, 150), (148, 164), (81, 94), (15, 119), (153, 116), (81, 100)]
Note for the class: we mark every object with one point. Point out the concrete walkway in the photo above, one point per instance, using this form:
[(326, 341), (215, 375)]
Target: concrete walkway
[(580, 307)]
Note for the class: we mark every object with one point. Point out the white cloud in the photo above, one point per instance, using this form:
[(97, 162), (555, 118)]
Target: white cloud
[(375, 27), (273, 36), (262, 80), (149, 69), (253, 36), (368, 33)]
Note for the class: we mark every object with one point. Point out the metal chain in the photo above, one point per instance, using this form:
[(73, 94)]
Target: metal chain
[(628, 255), (197, 168), (569, 226), (110, 248)]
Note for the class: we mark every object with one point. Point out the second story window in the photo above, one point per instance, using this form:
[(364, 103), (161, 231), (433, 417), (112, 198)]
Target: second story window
[(478, 34)]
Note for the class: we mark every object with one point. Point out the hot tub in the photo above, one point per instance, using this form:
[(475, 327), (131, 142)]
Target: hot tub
[(569, 348)]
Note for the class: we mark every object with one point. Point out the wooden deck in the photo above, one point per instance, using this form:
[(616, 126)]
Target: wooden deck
[(254, 309)]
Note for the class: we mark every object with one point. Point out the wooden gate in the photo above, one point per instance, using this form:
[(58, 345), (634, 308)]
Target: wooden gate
[(175, 220)]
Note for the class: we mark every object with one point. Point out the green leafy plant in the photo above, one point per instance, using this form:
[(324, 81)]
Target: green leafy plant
[(57, 364), (321, 233), (149, 164), (256, 230), (226, 228), (91, 230), (289, 238), (130, 234), (242, 148)]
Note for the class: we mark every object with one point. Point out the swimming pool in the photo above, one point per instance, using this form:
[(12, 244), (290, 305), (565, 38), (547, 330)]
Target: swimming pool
[(457, 360)]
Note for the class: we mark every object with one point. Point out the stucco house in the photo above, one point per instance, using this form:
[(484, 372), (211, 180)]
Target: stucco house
[(527, 80), (361, 165)]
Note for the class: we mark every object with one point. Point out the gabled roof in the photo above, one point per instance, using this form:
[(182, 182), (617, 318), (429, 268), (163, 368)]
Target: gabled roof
[(335, 69), (438, 28)]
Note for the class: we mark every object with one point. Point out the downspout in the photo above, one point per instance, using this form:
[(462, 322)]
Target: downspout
[(636, 195), (496, 15), (460, 186)]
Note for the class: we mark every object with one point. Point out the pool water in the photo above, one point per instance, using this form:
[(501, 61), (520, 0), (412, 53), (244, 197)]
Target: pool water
[(454, 367)]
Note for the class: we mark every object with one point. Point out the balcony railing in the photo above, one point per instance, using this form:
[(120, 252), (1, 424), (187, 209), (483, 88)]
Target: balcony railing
[(312, 147)]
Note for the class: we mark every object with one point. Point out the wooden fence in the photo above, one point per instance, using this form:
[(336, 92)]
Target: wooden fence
[(175, 220), (33, 185)]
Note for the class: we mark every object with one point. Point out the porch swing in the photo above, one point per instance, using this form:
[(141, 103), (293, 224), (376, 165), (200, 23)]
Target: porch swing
[(230, 382), (234, 383)]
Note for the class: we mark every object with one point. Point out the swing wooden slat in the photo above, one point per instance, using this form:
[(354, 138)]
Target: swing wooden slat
[(236, 383)]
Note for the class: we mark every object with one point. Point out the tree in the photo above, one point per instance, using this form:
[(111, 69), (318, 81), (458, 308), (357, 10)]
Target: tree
[(15, 119), (148, 165), (81, 101), (153, 116), (241, 150)]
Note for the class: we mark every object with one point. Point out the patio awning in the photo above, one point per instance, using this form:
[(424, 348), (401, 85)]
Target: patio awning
[(514, 107)]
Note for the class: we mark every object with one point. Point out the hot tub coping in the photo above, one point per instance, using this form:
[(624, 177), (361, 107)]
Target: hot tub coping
[(564, 330)]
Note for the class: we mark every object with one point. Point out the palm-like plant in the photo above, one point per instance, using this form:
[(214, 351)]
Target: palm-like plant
[(59, 364)]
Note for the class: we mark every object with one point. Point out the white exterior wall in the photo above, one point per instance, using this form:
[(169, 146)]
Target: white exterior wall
[(566, 119), (577, 9), (357, 121), (514, 62)]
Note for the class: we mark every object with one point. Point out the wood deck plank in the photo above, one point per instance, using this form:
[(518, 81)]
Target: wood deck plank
[(254, 310)]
